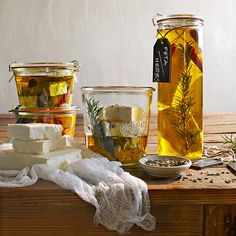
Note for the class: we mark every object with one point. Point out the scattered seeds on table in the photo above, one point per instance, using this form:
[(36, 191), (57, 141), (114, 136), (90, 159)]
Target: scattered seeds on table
[(213, 174)]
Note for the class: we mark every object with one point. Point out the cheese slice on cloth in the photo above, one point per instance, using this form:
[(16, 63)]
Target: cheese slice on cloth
[(39, 146), (12, 160), (34, 131)]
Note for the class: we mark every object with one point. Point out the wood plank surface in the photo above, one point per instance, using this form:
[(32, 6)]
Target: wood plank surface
[(182, 206), (215, 124), (220, 220)]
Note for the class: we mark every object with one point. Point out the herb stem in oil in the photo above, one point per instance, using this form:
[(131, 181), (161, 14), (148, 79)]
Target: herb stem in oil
[(182, 109), (97, 129)]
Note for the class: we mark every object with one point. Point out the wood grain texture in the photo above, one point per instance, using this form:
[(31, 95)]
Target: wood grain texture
[(181, 207), (220, 220), (63, 214)]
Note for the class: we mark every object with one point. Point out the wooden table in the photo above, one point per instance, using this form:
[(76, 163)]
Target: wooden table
[(181, 207)]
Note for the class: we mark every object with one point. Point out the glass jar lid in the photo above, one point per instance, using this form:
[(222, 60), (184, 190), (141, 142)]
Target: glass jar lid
[(46, 110), (73, 65), (159, 19), (118, 89)]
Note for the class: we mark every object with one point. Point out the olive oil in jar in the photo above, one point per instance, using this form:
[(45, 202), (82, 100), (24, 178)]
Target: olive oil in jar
[(45, 84), (43, 91), (116, 121), (180, 115), (127, 150)]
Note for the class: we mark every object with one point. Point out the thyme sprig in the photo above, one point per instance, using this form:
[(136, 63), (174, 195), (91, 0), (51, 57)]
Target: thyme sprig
[(97, 128), (230, 141)]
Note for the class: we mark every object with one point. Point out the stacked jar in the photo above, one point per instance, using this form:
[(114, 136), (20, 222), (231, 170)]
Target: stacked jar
[(45, 93)]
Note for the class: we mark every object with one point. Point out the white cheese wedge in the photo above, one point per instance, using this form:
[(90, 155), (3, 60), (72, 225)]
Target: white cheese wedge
[(116, 113), (119, 129), (39, 146), (11, 160), (34, 131)]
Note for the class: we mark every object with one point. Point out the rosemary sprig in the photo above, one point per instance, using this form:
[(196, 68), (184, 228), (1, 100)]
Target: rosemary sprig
[(230, 141), (97, 128), (184, 102)]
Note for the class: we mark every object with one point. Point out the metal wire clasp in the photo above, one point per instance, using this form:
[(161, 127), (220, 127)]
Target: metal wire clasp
[(155, 18)]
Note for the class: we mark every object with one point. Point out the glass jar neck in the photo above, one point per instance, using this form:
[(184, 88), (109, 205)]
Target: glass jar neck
[(177, 21)]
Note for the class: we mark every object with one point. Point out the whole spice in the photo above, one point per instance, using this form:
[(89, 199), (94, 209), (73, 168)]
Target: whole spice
[(165, 163)]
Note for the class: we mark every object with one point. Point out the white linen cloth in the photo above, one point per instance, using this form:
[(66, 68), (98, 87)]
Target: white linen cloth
[(121, 200)]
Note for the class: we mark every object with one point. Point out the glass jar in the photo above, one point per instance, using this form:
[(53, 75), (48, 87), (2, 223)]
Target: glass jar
[(180, 112), (44, 84), (63, 116), (116, 121)]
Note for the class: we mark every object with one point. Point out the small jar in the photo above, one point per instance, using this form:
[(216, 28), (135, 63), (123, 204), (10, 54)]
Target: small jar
[(44, 84), (180, 102), (63, 116), (116, 121)]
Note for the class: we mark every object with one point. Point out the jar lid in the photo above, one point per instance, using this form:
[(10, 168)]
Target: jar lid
[(73, 65), (160, 18), (43, 110), (118, 89)]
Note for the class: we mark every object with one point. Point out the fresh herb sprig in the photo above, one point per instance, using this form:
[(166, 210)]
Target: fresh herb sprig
[(97, 128), (184, 102), (230, 141)]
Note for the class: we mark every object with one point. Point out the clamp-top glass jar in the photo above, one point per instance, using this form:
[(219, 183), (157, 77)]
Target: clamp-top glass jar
[(116, 121), (180, 115), (44, 84)]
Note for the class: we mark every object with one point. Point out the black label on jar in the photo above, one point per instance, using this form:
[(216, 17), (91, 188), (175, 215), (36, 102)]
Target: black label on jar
[(161, 61)]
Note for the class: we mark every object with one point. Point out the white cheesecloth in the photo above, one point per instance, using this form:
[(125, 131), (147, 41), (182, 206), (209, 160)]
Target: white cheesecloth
[(121, 200)]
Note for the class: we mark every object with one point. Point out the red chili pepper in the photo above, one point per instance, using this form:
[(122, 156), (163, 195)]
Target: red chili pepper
[(62, 100), (194, 35), (173, 47), (195, 58)]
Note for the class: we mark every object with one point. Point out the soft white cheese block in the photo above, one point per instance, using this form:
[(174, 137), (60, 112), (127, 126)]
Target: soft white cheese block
[(34, 131), (116, 113), (39, 146), (127, 129), (11, 160)]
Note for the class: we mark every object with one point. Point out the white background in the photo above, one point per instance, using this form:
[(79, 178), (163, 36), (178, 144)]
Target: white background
[(113, 40)]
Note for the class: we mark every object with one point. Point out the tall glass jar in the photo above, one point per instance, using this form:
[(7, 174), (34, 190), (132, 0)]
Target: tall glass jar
[(180, 112), (116, 121)]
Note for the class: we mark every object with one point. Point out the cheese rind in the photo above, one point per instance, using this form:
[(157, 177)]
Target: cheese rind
[(11, 160), (39, 146), (34, 131)]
